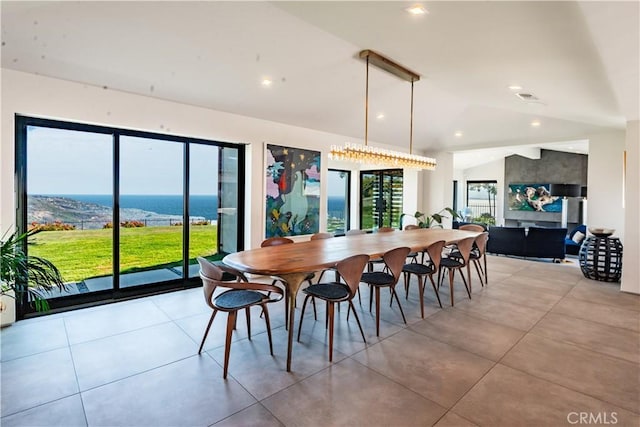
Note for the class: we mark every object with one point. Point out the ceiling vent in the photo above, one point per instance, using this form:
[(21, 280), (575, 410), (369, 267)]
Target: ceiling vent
[(527, 96)]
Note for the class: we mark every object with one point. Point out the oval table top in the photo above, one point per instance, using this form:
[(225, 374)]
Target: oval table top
[(315, 255)]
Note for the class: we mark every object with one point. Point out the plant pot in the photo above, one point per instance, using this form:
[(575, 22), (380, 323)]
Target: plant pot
[(7, 308)]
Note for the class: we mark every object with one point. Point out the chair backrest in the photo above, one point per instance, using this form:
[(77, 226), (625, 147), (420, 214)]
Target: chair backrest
[(472, 227), (350, 269), (411, 227), (464, 246), (319, 236), (211, 276), (275, 241), (354, 232), (481, 242), (394, 260), (434, 251), (385, 229)]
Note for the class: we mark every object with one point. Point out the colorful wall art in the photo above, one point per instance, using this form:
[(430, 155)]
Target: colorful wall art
[(293, 191), (532, 197)]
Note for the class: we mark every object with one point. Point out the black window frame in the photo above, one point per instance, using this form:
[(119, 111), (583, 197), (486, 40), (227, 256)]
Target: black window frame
[(22, 122)]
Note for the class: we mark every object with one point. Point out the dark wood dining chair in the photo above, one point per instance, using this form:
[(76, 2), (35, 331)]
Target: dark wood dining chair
[(321, 236), (378, 260), (413, 256), (393, 261), (238, 296), (424, 270), (350, 269), (276, 241), (451, 264), (478, 256)]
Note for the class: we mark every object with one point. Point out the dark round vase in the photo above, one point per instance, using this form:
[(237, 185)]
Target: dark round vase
[(601, 258)]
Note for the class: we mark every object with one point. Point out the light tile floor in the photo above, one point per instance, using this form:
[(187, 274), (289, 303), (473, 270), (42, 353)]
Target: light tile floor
[(540, 345)]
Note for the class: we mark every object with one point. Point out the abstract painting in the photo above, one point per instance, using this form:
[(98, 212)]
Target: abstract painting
[(532, 197), (293, 191)]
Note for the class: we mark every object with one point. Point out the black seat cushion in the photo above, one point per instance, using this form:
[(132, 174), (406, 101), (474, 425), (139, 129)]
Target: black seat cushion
[(377, 278), (475, 253), (237, 298), (419, 269), (329, 291), (450, 263)]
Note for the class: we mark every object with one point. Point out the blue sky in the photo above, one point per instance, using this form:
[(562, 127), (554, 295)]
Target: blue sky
[(73, 162)]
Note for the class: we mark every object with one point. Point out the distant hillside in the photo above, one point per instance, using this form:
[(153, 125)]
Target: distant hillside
[(46, 209)]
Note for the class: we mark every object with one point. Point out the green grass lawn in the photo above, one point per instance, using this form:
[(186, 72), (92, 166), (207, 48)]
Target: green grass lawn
[(80, 254)]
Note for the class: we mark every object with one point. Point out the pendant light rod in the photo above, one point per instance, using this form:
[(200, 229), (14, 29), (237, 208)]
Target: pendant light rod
[(389, 66), (411, 123), (366, 107)]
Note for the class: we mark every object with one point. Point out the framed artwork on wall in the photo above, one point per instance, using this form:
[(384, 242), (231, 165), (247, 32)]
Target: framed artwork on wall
[(532, 197), (292, 191)]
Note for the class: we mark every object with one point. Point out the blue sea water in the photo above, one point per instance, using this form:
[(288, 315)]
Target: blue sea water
[(199, 206)]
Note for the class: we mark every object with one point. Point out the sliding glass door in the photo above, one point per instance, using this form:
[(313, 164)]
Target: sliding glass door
[(124, 212), (380, 198)]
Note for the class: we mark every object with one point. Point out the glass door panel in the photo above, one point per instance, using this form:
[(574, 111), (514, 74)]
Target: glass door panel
[(151, 210), (69, 200), (229, 196), (381, 198), (338, 201), (203, 204)]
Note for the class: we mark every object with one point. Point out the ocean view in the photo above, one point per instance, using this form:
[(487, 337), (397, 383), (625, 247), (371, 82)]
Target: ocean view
[(199, 206), (202, 206)]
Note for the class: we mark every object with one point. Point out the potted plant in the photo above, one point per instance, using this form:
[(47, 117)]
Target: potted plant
[(22, 274), (434, 220)]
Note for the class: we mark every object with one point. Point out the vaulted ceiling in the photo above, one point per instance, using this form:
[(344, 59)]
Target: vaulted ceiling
[(579, 59)]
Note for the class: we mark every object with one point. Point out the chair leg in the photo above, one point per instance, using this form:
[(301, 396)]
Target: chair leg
[(330, 316), (370, 297), (231, 321), (326, 315), (394, 294), (435, 289), (451, 273), (476, 263), (421, 293), (486, 272), (268, 322), (357, 320), (468, 288), (206, 331), (286, 309), (377, 311), (315, 314), (407, 278), (468, 277), (248, 322), (304, 306)]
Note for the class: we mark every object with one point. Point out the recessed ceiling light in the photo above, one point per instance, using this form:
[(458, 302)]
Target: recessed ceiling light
[(535, 123), (266, 82), (416, 9), (515, 87), (380, 116), (458, 134)]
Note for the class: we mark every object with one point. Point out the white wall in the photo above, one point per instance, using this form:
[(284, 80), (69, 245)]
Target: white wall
[(604, 179), (39, 96), (437, 185), (631, 250)]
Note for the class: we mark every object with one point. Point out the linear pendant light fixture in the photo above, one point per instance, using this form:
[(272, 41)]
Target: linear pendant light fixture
[(379, 156)]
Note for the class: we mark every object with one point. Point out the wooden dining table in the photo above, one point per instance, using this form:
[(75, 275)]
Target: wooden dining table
[(292, 263)]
